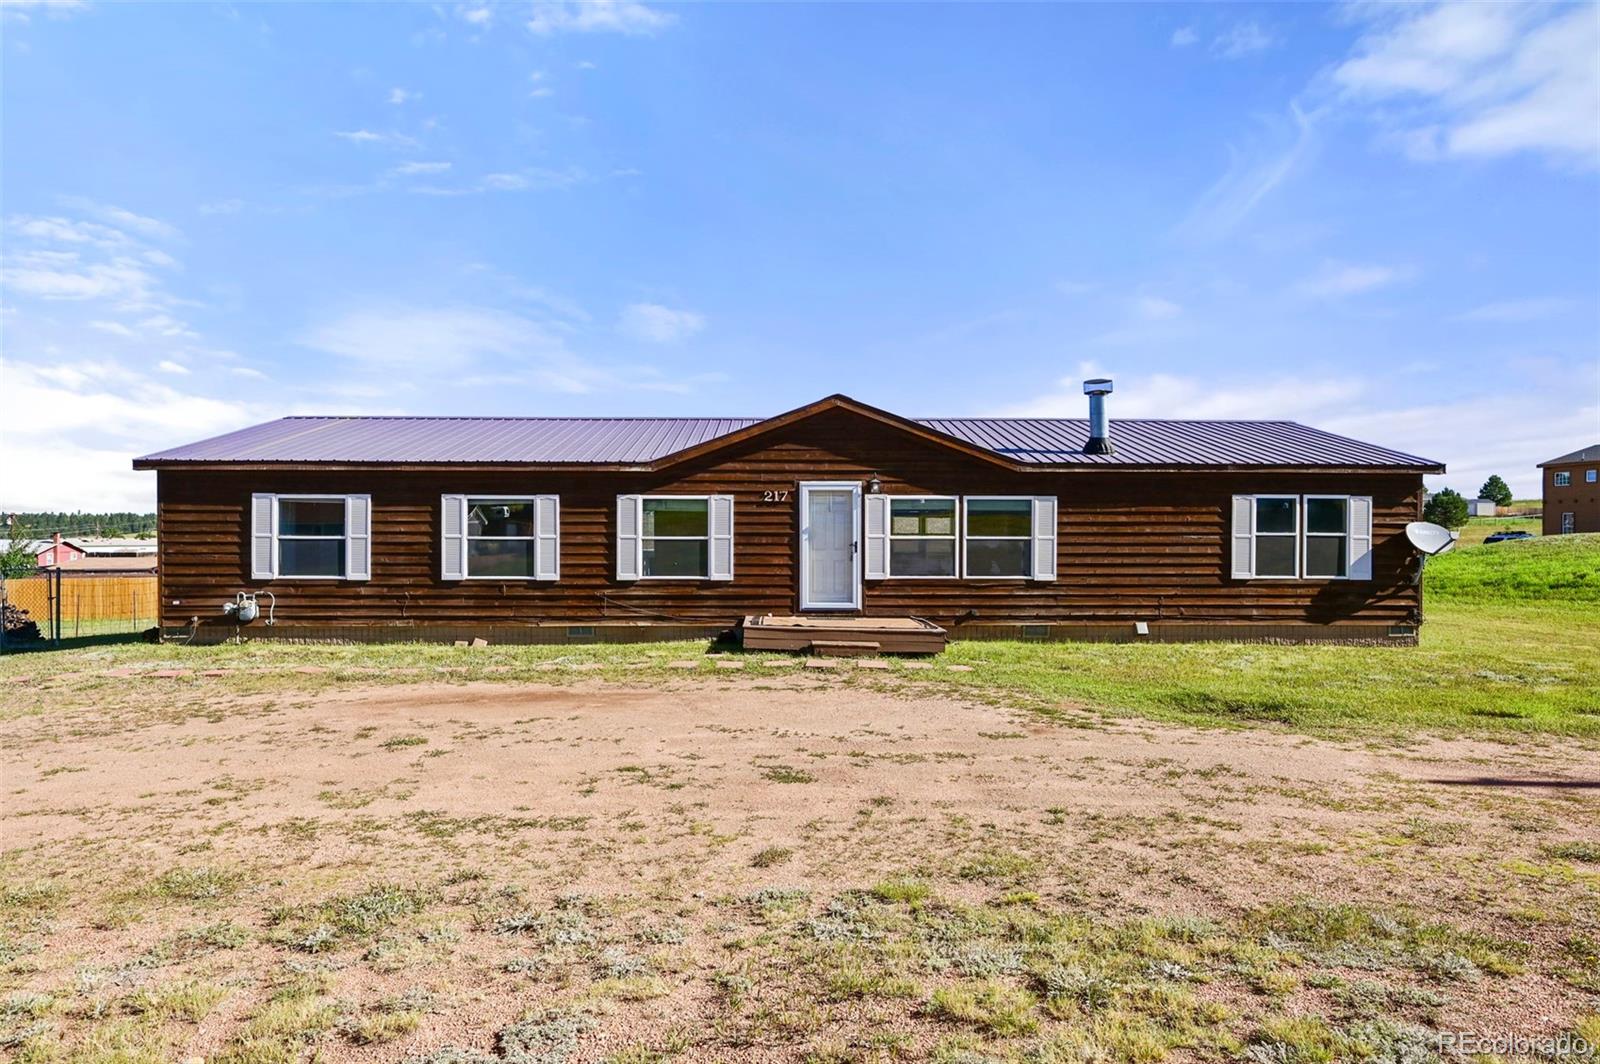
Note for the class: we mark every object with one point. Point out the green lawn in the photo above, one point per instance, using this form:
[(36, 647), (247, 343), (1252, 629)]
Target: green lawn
[(1509, 646)]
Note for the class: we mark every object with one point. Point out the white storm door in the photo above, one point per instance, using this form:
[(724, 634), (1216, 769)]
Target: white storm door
[(830, 557)]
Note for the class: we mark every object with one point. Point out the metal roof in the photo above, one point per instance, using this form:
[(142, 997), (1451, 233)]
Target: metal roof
[(1582, 454), (629, 441)]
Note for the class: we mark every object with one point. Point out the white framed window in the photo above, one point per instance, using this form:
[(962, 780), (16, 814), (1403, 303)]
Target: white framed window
[(1563, 479), (1569, 523), (1591, 475), (310, 537), (675, 537), (500, 537), (997, 540), (922, 536), (1302, 537)]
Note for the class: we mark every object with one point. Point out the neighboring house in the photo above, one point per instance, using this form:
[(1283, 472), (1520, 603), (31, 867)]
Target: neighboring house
[(133, 554), (1572, 492), (1480, 507), (557, 529)]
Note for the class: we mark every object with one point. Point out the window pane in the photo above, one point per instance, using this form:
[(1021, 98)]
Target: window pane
[(999, 517), (1275, 556), (922, 517), (675, 517), (311, 517), (675, 557), (1275, 515), (1325, 515), (922, 557), (311, 557), (1325, 555), (998, 557), (499, 557), (492, 517)]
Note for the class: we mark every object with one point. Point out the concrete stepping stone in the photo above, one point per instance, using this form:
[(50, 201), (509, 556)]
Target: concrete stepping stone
[(823, 663), (958, 668), (683, 664), (918, 665), (871, 663), (727, 664), (780, 663), (172, 674)]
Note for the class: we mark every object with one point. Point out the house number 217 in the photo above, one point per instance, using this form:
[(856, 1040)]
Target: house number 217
[(775, 496)]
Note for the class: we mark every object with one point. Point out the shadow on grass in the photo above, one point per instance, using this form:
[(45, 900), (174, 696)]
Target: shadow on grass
[(43, 646), (1508, 781)]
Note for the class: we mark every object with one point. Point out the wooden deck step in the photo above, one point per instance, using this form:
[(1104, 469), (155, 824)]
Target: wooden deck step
[(882, 635), (843, 648)]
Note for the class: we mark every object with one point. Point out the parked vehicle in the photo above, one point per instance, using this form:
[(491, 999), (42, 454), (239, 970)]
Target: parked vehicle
[(1501, 537)]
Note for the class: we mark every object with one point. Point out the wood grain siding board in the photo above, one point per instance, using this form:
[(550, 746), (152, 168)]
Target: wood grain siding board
[(1134, 546)]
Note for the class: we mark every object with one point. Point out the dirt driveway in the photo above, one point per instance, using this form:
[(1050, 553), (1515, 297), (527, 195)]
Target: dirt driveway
[(652, 819)]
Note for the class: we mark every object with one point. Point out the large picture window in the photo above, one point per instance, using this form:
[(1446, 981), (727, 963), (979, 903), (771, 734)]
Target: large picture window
[(676, 537), (311, 537), (1295, 537), (999, 537), (922, 536), (500, 538)]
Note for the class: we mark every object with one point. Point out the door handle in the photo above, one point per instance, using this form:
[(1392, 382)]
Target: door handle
[(855, 546)]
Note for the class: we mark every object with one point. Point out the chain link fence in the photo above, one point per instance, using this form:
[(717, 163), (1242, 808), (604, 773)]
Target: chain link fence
[(55, 608)]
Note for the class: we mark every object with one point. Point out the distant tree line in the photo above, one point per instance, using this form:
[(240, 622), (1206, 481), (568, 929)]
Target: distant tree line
[(44, 525)]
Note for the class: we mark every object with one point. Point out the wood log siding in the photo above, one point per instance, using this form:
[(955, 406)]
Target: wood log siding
[(1132, 545)]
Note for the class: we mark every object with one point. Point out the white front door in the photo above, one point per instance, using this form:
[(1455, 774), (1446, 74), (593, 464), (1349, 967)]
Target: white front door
[(830, 557)]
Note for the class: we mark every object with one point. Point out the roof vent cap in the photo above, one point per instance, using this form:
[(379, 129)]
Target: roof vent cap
[(1097, 388)]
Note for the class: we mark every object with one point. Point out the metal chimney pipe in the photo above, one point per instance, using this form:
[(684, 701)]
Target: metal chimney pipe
[(1099, 426)]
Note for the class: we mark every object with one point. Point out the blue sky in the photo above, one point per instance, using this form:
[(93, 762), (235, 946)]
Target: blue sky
[(1381, 220)]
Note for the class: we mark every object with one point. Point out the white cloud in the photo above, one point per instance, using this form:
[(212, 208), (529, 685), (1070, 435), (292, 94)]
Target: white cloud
[(59, 230), (227, 206), (434, 341), (475, 14), (530, 179), (1346, 279), (1242, 39), (1184, 36), (166, 365), (122, 218), (115, 328), (413, 168), (1516, 311), (1154, 308), (1165, 395), (399, 96), (1254, 172), (1482, 79), (596, 16), (65, 275), (654, 323), (72, 430), (367, 136)]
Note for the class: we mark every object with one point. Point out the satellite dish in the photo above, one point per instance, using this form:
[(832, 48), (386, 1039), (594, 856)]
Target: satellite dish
[(1430, 538)]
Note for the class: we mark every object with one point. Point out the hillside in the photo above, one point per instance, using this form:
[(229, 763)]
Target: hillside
[(1554, 570)]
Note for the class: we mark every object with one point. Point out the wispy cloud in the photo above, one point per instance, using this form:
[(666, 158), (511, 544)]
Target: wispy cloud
[(1518, 311), (654, 323), (122, 218), (1184, 36), (1154, 308), (410, 169), (1255, 171), (531, 179), (1242, 39), (398, 96), (1481, 79), (597, 16), (385, 139), (1337, 279)]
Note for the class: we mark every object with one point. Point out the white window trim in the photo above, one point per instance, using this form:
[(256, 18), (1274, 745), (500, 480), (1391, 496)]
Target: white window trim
[(467, 538), (1255, 537), (706, 576), (1306, 534), (277, 537), (890, 536), (1028, 539), (1591, 475), (1562, 478)]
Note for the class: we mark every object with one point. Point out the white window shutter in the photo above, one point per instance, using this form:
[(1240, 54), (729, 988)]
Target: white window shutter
[(875, 554), (453, 537), (358, 537), (1044, 537), (1360, 511), (720, 515), (1244, 542), (547, 537), (263, 537), (630, 523)]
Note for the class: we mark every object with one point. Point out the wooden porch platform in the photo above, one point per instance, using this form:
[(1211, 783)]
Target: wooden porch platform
[(842, 636)]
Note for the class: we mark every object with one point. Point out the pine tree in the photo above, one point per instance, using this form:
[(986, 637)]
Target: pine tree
[(1496, 489), (1446, 508)]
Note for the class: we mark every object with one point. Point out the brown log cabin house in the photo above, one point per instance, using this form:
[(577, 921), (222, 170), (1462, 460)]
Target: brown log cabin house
[(593, 529)]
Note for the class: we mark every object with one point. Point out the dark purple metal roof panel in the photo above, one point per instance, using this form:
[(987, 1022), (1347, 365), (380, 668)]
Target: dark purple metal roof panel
[(1138, 441), (626, 441)]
